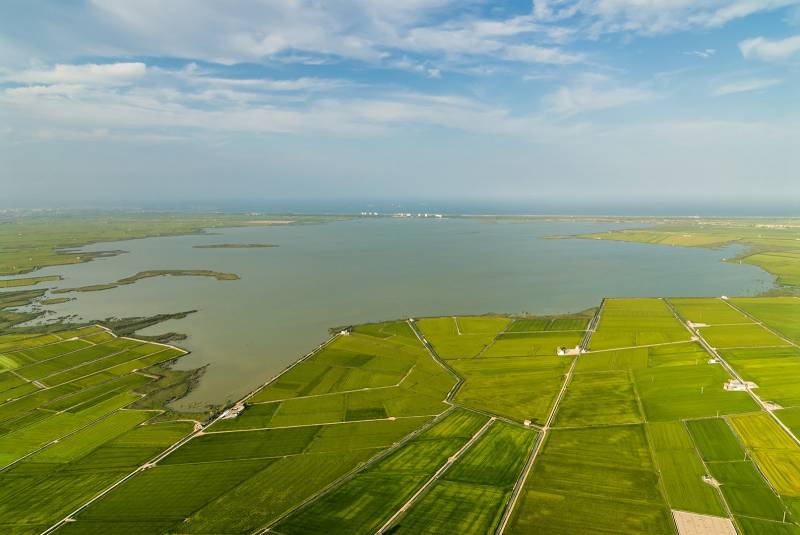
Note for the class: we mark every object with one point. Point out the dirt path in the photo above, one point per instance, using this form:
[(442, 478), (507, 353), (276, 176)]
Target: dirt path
[(387, 419), (766, 407), (459, 378), (520, 484), (764, 325), (458, 327), (638, 347), (197, 432), (352, 473), (452, 459), (365, 389)]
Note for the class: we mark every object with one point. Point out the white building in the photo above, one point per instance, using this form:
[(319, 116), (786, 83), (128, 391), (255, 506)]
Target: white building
[(735, 385), (233, 412)]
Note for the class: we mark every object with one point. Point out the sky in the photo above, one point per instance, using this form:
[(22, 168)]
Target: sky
[(545, 103)]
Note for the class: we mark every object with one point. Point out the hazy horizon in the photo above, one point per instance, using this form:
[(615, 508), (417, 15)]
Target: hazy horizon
[(449, 206)]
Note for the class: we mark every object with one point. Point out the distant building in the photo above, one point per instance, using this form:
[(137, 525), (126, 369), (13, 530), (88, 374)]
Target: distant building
[(527, 423), (233, 412), (565, 351), (735, 385)]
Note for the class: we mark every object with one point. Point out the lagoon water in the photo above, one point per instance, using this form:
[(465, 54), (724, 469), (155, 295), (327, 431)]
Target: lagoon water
[(363, 270)]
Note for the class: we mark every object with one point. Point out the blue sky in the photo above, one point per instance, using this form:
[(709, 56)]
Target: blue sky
[(544, 101)]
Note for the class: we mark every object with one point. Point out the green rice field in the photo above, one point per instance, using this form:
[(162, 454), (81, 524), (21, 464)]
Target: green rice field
[(69, 426), (476, 424), (636, 322)]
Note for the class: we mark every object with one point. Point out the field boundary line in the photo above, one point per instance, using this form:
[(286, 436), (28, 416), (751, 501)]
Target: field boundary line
[(108, 368), (53, 343), (48, 387), (442, 469), (149, 464), (752, 347), (365, 389), (544, 332), (776, 332), (589, 352), (733, 373), (183, 440), (485, 348), (151, 342), (354, 472), (537, 446), (377, 449), (653, 457), (13, 372), (61, 354), (725, 324), (62, 437), (748, 456), (718, 488), (459, 378), (387, 419), (499, 417), (98, 359)]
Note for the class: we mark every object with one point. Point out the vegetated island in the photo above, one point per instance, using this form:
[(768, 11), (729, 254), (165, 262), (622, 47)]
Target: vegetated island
[(28, 281), (234, 246), (56, 300), (150, 274)]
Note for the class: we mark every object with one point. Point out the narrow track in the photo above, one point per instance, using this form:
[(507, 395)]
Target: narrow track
[(520, 484), (197, 432), (452, 459), (732, 371), (459, 378)]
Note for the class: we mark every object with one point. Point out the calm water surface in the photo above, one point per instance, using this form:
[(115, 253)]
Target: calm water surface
[(367, 270)]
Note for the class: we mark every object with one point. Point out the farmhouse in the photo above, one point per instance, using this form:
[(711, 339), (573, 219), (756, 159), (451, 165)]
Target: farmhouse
[(735, 385), (233, 412), (564, 351)]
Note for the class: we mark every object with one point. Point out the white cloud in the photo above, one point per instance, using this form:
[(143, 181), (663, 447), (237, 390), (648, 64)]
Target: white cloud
[(538, 54), (65, 78), (407, 64), (772, 50), (68, 108), (89, 73), (267, 84), (253, 30), (482, 39), (652, 16), (702, 54), (593, 93), (744, 86), (379, 31)]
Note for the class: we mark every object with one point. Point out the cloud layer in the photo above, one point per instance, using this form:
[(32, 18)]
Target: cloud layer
[(524, 93)]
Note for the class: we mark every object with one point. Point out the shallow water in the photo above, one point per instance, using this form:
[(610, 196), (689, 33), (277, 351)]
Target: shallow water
[(367, 270)]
